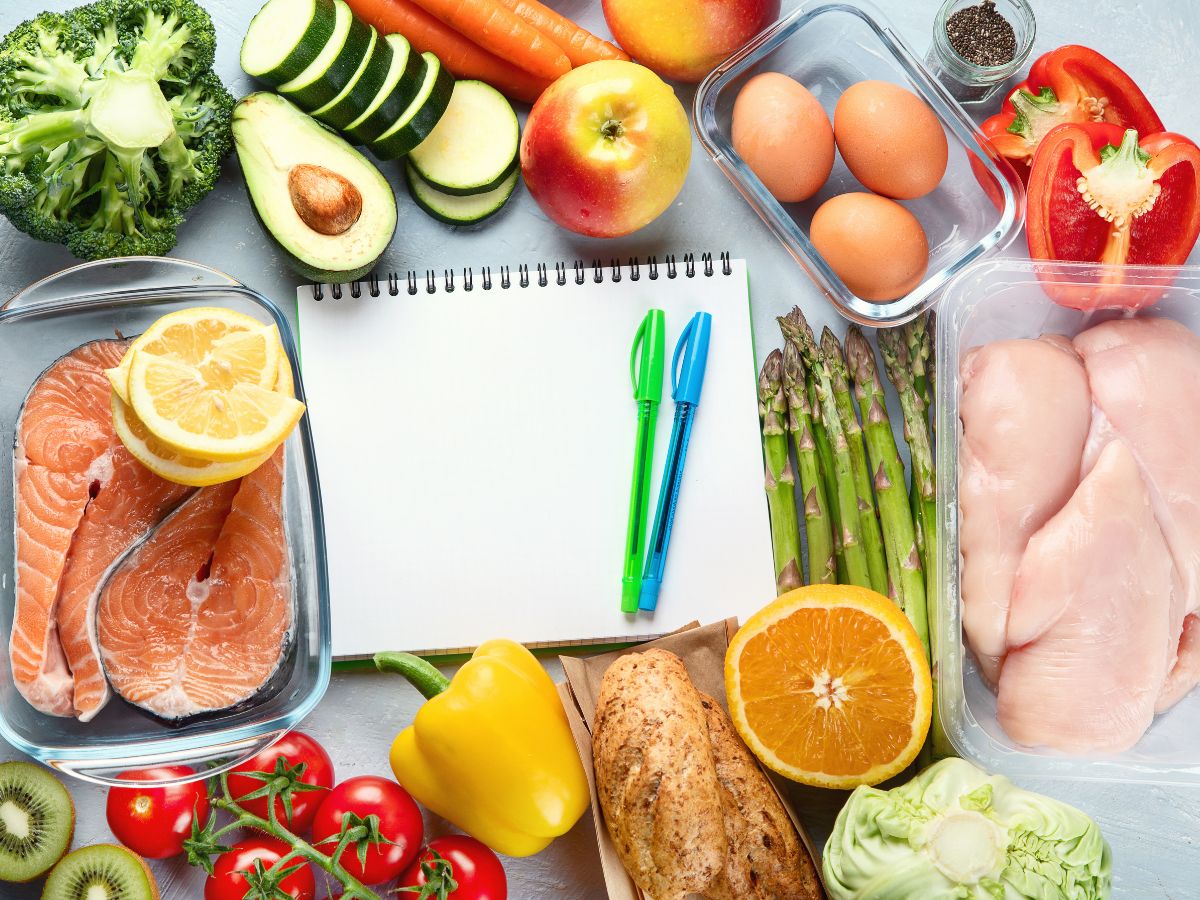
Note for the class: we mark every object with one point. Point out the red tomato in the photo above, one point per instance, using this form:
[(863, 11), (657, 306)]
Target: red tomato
[(154, 821), (294, 749), (399, 822), (473, 866), (227, 882)]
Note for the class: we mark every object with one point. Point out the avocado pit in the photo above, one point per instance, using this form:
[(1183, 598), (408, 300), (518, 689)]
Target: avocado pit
[(324, 200)]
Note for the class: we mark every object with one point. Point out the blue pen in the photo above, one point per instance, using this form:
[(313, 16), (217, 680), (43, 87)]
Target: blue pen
[(687, 379)]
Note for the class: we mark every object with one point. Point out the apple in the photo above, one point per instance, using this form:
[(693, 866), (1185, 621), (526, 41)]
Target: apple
[(606, 148), (685, 39)]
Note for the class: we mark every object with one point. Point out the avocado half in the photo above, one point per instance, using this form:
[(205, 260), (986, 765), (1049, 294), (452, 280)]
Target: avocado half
[(319, 198)]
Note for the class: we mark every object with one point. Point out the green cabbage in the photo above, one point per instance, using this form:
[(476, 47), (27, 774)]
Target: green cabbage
[(956, 833)]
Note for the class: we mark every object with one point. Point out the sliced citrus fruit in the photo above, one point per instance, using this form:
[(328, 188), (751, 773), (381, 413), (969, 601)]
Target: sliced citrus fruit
[(166, 462), (187, 335), (829, 686), (198, 412)]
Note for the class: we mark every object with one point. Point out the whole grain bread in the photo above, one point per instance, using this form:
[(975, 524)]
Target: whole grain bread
[(656, 776), (764, 860)]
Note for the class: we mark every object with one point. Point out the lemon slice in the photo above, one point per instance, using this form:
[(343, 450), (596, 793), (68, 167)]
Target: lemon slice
[(187, 335), (200, 411), (166, 462)]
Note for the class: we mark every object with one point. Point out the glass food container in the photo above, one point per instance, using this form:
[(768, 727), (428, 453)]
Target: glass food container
[(997, 300), (827, 48), (39, 325)]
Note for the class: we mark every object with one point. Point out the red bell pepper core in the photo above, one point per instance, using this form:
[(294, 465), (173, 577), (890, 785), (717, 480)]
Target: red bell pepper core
[(1070, 84), (1098, 195)]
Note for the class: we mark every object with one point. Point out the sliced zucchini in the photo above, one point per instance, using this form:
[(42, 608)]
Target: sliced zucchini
[(399, 90), (455, 209), (415, 123), (285, 37), (358, 94), (332, 70), (475, 144)]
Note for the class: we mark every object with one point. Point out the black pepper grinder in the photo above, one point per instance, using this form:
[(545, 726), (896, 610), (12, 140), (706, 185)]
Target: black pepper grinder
[(980, 44)]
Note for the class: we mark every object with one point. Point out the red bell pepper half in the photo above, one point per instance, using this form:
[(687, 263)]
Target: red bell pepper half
[(1070, 84), (1097, 194)]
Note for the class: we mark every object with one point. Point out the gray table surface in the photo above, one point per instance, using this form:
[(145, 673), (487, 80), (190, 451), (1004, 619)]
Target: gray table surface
[(1153, 830)]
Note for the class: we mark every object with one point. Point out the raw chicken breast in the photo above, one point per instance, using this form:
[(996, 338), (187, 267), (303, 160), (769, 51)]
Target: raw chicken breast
[(1025, 410), (1145, 376), (1090, 618), (1185, 674)]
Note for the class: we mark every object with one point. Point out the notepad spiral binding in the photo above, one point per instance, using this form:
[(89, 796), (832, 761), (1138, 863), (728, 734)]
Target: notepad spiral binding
[(395, 282)]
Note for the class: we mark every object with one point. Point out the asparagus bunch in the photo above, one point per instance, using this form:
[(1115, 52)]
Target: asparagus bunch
[(900, 543), (822, 568), (780, 481), (845, 496)]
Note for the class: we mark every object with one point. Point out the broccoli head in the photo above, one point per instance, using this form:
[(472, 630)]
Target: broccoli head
[(112, 124)]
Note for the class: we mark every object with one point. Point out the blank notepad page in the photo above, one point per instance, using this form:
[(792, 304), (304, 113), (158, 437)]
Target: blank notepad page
[(475, 451)]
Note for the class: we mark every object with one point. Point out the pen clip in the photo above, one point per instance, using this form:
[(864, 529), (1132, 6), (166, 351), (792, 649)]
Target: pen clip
[(684, 342), (638, 337)]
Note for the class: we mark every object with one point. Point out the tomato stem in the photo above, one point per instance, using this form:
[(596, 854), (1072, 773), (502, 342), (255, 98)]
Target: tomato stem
[(301, 849)]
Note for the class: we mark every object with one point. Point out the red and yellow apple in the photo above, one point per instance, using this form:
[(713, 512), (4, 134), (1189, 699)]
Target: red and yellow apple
[(685, 39), (606, 148)]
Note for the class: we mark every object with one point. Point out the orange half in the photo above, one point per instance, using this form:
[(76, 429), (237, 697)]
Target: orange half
[(829, 686)]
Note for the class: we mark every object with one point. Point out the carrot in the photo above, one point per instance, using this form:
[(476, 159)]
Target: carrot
[(504, 33), (580, 45), (461, 56)]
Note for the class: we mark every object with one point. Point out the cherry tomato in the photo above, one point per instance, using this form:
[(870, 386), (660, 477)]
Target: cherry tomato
[(399, 822), (228, 883), (155, 821), (293, 750), (475, 868)]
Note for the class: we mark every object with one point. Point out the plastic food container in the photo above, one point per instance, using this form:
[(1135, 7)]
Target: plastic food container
[(997, 300), (827, 48), (39, 325)]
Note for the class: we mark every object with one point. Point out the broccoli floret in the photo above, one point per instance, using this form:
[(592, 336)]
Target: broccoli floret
[(112, 124)]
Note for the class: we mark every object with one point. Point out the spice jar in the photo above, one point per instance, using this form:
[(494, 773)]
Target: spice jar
[(972, 43)]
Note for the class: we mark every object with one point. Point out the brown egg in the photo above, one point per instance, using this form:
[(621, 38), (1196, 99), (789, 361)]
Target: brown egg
[(875, 245), (784, 136), (890, 139)]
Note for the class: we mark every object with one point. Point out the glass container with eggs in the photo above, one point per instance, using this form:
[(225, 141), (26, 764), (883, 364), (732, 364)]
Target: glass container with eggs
[(859, 161)]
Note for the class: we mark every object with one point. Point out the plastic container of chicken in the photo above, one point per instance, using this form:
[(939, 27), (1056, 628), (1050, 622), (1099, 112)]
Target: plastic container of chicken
[(104, 300), (1087, 652)]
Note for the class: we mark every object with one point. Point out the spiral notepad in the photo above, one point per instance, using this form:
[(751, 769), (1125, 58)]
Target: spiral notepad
[(474, 434)]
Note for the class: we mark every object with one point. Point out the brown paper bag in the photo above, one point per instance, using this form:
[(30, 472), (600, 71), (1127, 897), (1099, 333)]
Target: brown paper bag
[(702, 650)]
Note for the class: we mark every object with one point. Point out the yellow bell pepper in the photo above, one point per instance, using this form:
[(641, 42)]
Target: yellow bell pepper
[(491, 751)]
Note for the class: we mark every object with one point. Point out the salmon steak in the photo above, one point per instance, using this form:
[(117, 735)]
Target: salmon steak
[(197, 618), (81, 502)]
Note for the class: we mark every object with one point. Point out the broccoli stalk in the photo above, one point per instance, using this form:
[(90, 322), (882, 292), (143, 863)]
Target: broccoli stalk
[(112, 124)]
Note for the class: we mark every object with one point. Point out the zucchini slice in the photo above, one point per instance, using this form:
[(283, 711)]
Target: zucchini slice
[(458, 210), (332, 70), (475, 144), (285, 37), (399, 89), (366, 83), (415, 123)]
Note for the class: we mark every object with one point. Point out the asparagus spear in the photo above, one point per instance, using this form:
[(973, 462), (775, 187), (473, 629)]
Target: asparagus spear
[(780, 481), (915, 335), (899, 537), (825, 459), (821, 566), (796, 330), (916, 432), (868, 519)]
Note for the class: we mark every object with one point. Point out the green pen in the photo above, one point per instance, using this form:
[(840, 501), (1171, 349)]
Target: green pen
[(646, 362)]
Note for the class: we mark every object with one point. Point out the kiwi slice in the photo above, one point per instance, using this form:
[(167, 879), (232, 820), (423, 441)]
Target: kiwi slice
[(101, 872), (37, 821)]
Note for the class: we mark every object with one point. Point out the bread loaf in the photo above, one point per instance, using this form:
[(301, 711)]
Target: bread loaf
[(656, 776), (764, 858)]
